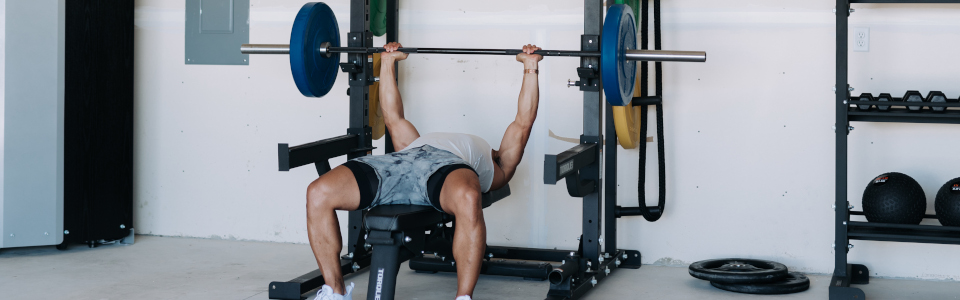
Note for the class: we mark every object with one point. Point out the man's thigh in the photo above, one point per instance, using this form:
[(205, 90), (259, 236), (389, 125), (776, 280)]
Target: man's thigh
[(455, 187), (339, 189)]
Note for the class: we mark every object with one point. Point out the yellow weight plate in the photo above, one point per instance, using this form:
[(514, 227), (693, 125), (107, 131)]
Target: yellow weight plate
[(627, 120), (376, 116)]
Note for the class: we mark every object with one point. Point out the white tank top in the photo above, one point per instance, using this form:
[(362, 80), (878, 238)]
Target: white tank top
[(470, 148)]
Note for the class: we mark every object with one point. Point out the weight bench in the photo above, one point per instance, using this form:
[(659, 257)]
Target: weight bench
[(400, 232)]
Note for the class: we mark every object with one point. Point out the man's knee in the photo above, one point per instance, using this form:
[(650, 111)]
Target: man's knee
[(469, 203), (320, 195)]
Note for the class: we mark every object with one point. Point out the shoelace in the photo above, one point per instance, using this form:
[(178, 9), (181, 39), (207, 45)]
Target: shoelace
[(326, 293)]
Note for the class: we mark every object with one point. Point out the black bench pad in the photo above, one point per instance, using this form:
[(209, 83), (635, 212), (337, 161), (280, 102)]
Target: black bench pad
[(401, 217)]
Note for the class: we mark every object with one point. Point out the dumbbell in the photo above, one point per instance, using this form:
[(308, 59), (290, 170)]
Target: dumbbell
[(914, 96), (936, 97), (885, 97), (865, 97)]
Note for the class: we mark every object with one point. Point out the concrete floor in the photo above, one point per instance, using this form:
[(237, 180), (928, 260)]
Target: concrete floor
[(184, 268)]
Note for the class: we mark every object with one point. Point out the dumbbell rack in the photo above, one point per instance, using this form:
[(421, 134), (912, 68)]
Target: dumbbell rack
[(899, 113), (845, 274)]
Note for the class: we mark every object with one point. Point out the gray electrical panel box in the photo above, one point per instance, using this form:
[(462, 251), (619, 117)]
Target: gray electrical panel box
[(215, 29), (31, 206)]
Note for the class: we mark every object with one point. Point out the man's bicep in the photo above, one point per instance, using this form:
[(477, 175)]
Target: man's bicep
[(499, 177), (511, 148), (403, 133)]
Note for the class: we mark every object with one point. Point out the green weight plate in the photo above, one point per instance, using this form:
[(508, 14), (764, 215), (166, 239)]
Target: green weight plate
[(378, 17)]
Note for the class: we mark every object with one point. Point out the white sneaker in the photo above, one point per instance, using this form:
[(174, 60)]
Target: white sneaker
[(464, 297), (326, 293)]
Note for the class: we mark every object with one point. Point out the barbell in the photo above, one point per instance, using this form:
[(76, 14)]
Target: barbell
[(315, 50)]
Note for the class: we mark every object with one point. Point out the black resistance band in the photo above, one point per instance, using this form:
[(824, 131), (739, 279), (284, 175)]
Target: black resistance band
[(647, 213)]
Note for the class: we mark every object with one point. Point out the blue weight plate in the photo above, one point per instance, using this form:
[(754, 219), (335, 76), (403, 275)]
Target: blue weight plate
[(314, 73), (619, 74)]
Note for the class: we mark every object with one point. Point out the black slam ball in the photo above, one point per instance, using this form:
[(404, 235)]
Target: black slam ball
[(894, 198), (948, 203)]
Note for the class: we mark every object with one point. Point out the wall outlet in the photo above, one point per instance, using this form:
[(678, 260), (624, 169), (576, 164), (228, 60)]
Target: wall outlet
[(861, 39)]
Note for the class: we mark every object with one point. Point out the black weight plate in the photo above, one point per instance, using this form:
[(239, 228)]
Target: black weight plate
[(738, 270), (793, 283)]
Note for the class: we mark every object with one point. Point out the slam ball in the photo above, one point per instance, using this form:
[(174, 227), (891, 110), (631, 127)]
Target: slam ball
[(948, 203), (894, 198)]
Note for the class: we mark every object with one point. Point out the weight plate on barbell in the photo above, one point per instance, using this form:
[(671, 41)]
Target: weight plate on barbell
[(313, 72), (618, 73), (635, 4), (626, 120), (793, 283), (738, 270)]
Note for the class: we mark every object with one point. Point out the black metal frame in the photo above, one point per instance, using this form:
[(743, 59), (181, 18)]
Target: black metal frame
[(580, 166), (844, 273), (582, 268), (356, 143)]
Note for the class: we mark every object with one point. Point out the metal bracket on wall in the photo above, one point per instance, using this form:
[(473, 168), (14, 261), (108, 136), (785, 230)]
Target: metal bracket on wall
[(356, 39), (590, 74), (578, 187), (568, 163)]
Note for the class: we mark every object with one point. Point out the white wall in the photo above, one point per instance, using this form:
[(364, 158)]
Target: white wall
[(750, 163), (3, 106)]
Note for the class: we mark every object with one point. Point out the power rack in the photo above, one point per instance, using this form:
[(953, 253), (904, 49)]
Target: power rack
[(845, 274), (590, 263)]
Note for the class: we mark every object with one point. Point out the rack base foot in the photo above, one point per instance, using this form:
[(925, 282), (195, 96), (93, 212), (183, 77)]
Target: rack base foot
[(846, 293), (859, 274), (840, 284)]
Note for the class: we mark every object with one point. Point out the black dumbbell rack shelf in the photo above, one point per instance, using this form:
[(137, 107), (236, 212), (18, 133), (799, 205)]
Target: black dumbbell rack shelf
[(930, 234), (847, 110), (898, 112)]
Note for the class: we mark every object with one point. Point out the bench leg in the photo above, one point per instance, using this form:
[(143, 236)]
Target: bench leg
[(384, 264)]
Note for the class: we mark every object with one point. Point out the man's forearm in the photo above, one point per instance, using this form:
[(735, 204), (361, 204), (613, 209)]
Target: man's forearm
[(515, 139), (389, 92), (529, 96)]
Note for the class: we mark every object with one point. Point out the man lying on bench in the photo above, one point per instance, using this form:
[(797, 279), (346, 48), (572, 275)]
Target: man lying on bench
[(447, 171)]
